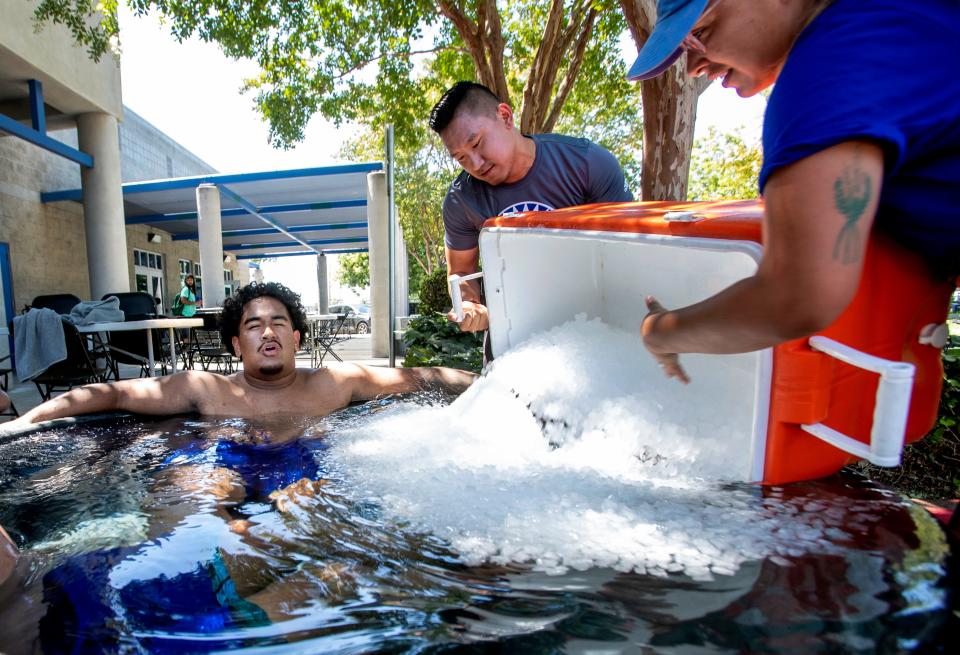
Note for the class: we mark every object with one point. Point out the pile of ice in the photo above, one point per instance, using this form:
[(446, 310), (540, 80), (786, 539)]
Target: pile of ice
[(566, 454)]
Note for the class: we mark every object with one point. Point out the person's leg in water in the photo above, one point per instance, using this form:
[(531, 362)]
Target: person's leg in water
[(9, 556), (20, 612), (285, 597)]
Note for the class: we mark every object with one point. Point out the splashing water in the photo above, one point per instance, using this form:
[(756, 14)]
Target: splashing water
[(562, 458), (561, 455)]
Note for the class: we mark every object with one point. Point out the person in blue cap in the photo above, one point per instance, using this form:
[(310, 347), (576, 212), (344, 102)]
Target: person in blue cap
[(861, 133)]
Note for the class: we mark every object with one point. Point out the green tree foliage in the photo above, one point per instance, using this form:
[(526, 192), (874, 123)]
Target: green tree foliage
[(388, 61), (354, 270), (724, 167), (93, 24)]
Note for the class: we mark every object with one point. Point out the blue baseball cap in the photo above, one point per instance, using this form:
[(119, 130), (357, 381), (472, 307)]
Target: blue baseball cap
[(675, 19)]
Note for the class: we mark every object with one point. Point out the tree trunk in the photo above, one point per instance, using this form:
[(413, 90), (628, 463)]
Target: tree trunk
[(669, 115), (484, 40)]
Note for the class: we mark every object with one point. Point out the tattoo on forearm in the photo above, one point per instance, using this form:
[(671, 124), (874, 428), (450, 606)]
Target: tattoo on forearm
[(851, 194)]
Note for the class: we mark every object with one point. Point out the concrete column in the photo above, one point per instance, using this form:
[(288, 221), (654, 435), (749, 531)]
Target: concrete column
[(323, 288), (103, 205), (211, 244), (377, 227)]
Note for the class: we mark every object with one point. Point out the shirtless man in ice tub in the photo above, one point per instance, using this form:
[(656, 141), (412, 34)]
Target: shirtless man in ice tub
[(264, 324)]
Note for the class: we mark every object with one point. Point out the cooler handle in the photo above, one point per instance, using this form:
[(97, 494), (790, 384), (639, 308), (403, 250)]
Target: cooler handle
[(890, 408), (455, 295)]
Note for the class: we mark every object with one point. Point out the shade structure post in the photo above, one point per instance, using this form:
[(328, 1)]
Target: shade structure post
[(378, 221), (391, 248), (209, 224)]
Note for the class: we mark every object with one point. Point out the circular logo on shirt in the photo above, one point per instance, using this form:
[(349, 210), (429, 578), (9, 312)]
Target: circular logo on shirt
[(527, 206)]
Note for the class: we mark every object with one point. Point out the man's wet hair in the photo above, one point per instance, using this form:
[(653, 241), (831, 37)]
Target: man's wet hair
[(233, 308), (464, 96)]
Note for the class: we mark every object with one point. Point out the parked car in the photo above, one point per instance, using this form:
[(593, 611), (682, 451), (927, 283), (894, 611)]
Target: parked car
[(358, 317)]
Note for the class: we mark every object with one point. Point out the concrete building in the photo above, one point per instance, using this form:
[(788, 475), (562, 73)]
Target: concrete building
[(48, 250), (59, 110)]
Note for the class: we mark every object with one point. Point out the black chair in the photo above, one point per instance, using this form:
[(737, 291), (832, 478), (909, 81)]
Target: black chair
[(61, 303), (77, 369), (4, 382), (135, 302), (207, 347), (324, 335), (130, 346)]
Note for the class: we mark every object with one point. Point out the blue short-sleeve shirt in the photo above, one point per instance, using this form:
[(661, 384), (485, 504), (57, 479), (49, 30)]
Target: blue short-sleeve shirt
[(884, 71)]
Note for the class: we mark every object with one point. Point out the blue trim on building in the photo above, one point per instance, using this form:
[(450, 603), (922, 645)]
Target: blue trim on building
[(239, 211), (343, 251), (6, 275), (30, 135), (188, 236), (269, 220), (221, 179), (287, 244), (38, 114)]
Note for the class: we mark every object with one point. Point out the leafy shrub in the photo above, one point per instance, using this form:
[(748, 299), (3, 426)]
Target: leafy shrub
[(433, 292), (432, 340), (948, 423)]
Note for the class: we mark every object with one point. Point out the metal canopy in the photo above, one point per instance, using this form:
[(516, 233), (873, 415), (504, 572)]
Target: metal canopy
[(266, 214)]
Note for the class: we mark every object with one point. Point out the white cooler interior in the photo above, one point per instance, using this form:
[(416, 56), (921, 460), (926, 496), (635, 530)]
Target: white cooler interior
[(536, 279)]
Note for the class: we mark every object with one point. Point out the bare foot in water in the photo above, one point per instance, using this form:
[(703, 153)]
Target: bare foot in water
[(240, 526), (9, 555), (287, 598), (292, 494)]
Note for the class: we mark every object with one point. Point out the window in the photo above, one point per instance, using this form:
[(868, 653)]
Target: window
[(227, 283), (147, 259), (186, 268), (148, 274)]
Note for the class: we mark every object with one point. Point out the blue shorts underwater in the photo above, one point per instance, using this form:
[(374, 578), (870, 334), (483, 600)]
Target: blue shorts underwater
[(87, 604)]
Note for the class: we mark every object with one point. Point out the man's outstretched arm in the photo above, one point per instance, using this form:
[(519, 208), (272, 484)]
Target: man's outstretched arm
[(163, 395), (367, 382)]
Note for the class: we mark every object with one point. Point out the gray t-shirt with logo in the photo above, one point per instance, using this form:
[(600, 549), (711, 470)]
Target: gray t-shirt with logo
[(566, 171)]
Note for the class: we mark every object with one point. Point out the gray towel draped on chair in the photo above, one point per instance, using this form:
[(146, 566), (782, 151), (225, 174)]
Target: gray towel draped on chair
[(96, 311), (38, 341)]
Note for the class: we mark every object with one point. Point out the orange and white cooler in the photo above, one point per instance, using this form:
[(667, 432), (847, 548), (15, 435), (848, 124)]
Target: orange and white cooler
[(801, 410)]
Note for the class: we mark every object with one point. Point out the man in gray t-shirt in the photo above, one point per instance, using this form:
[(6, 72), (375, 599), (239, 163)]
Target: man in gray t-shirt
[(505, 172)]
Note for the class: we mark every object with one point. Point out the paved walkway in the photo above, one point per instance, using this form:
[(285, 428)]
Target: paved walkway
[(356, 349)]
